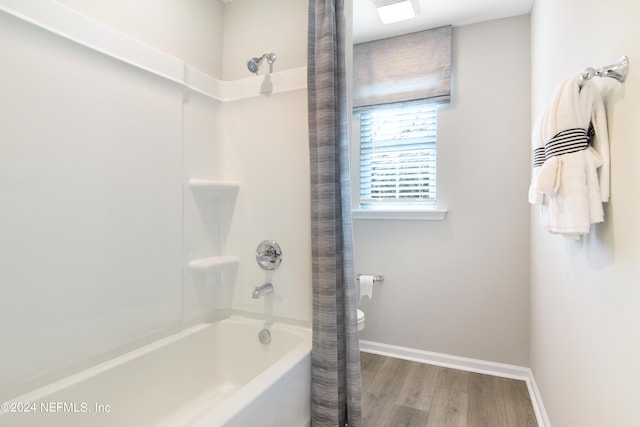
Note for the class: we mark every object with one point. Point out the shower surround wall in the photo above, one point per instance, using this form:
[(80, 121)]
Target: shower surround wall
[(97, 218), (268, 151)]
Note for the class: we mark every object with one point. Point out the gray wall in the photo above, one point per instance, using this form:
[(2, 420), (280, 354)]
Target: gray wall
[(461, 286), (585, 296)]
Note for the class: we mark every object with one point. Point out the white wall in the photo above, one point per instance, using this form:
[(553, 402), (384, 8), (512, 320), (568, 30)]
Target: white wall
[(255, 27), (585, 297), (90, 203), (461, 286), (267, 135), (190, 30)]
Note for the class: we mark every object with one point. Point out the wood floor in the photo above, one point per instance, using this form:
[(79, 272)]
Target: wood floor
[(397, 393)]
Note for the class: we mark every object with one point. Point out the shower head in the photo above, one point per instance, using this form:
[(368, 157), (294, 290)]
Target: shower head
[(254, 63)]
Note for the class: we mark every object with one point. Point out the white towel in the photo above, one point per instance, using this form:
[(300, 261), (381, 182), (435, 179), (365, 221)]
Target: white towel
[(569, 179), (600, 143)]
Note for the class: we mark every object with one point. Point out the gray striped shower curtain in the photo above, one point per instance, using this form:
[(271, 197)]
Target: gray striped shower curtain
[(335, 355)]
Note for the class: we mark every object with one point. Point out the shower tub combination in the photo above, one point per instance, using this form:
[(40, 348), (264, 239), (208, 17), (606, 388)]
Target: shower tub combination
[(212, 374)]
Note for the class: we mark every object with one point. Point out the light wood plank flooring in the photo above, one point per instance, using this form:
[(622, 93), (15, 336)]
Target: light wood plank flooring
[(397, 393)]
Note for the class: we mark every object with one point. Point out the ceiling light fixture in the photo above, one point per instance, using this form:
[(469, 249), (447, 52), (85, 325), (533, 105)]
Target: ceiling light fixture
[(394, 10)]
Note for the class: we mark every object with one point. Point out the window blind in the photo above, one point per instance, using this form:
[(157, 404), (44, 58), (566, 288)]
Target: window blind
[(398, 154), (409, 67)]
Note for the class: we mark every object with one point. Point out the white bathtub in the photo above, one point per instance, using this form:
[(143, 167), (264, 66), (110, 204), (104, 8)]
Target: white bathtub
[(213, 374)]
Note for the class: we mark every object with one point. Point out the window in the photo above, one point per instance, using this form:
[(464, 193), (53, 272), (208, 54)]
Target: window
[(398, 82), (398, 155)]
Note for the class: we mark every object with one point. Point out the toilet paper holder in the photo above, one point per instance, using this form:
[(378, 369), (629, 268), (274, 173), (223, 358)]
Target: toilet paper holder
[(376, 278)]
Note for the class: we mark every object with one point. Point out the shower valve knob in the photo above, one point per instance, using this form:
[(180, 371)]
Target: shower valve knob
[(269, 255)]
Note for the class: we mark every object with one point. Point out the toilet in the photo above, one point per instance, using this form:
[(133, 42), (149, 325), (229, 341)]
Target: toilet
[(360, 320)]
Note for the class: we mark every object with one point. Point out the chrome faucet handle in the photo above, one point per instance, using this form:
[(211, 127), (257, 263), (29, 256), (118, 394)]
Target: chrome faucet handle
[(268, 255)]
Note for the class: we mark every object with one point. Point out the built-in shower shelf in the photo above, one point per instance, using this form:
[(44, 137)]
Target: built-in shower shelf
[(214, 263), (214, 188)]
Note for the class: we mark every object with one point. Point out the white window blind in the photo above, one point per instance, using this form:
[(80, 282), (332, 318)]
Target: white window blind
[(398, 154)]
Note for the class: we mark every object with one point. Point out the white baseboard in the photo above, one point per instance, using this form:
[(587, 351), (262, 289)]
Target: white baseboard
[(466, 364)]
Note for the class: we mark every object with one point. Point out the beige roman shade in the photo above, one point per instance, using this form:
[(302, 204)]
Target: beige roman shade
[(410, 67)]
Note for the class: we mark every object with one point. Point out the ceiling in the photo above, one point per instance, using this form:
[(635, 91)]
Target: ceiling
[(432, 14)]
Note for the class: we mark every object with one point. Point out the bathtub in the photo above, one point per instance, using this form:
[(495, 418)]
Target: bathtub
[(212, 374)]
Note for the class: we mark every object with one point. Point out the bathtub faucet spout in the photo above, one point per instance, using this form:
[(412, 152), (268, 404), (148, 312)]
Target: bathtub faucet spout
[(259, 291)]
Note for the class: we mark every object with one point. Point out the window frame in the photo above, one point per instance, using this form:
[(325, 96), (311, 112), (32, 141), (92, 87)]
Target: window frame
[(396, 208)]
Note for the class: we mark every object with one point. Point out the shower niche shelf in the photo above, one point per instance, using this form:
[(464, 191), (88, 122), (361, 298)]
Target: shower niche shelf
[(217, 189), (214, 263), (216, 204)]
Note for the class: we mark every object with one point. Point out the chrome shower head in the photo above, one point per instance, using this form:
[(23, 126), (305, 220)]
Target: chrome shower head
[(254, 63)]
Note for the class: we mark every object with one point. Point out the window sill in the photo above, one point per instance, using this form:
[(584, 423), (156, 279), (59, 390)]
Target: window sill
[(427, 214)]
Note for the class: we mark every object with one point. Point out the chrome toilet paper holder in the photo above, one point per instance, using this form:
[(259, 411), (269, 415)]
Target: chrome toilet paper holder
[(376, 278)]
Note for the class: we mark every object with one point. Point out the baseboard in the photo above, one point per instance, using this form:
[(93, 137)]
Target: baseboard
[(536, 401), (466, 364)]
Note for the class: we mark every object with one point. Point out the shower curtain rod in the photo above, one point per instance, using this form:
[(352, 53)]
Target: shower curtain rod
[(618, 70)]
